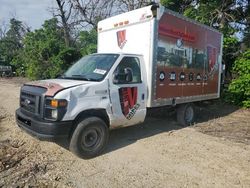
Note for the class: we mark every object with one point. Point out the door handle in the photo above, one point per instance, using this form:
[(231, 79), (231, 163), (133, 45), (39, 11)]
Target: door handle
[(142, 97)]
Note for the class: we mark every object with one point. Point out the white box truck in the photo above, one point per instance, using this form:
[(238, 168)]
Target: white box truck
[(149, 57)]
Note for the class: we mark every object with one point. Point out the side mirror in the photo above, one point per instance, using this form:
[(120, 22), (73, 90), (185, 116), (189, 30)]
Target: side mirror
[(125, 76), (116, 78)]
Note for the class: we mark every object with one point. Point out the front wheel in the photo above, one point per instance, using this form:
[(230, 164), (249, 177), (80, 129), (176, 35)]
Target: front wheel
[(89, 138), (185, 114)]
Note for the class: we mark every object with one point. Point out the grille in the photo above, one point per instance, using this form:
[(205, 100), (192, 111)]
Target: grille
[(30, 102)]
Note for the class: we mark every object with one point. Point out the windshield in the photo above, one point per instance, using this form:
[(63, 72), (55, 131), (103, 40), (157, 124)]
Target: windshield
[(92, 67)]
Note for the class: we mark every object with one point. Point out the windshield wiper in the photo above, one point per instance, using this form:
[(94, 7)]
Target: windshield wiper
[(80, 77)]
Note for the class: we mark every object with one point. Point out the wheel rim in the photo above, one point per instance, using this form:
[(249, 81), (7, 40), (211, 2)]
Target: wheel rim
[(91, 138), (189, 114)]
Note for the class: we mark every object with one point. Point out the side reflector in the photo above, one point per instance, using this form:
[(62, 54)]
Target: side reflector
[(62, 103)]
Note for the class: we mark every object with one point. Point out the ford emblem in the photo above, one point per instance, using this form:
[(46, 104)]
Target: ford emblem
[(26, 102)]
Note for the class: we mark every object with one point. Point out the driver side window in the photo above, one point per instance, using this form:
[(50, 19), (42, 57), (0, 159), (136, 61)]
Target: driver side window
[(128, 71)]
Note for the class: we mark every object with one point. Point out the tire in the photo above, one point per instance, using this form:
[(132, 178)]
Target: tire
[(185, 114), (89, 138)]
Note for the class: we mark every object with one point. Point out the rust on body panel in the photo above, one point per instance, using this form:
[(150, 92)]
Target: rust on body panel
[(52, 88)]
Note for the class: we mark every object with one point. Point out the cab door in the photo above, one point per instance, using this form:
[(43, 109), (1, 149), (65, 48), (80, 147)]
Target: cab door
[(128, 92)]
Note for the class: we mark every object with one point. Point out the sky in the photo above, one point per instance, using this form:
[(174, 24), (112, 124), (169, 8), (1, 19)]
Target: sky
[(32, 12)]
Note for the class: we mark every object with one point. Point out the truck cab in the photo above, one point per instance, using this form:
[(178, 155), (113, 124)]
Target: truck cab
[(110, 89)]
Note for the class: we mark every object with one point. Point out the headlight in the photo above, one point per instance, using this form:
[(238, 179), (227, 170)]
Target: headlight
[(55, 109), (54, 114)]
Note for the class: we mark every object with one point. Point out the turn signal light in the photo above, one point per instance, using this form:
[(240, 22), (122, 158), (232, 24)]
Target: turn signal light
[(58, 103), (54, 103)]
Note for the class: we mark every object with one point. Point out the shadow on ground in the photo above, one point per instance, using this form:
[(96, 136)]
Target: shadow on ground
[(161, 121), (209, 110)]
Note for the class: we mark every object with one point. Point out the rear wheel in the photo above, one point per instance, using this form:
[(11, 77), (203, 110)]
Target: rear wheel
[(89, 138), (185, 114)]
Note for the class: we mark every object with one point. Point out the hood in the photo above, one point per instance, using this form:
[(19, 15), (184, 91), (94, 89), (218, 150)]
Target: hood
[(55, 85)]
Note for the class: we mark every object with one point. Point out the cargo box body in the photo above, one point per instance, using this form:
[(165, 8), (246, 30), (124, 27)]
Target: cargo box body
[(182, 56)]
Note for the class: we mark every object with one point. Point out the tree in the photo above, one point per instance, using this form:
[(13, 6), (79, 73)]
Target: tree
[(3, 30), (64, 12), (90, 12), (87, 42), (231, 49), (128, 5), (11, 42), (178, 6), (246, 39), (45, 54), (239, 89)]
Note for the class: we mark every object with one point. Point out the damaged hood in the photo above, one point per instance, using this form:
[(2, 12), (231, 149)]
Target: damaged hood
[(53, 86)]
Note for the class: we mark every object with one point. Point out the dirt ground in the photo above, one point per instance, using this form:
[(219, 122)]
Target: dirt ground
[(214, 152)]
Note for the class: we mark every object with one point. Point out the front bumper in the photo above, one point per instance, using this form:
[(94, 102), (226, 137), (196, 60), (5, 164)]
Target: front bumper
[(41, 128)]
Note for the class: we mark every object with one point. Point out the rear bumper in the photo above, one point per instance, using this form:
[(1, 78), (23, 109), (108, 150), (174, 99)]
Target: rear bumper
[(42, 129)]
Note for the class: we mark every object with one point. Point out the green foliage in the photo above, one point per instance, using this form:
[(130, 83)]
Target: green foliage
[(247, 28), (242, 64), (239, 89), (230, 42), (247, 36), (168, 3), (178, 6), (12, 42), (220, 15), (45, 54), (88, 42), (231, 48), (69, 55)]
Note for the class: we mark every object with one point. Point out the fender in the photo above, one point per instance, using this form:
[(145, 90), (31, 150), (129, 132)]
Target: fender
[(101, 113)]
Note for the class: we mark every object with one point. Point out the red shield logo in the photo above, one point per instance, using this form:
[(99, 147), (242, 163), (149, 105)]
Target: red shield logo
[(121, 38), (128, 101)]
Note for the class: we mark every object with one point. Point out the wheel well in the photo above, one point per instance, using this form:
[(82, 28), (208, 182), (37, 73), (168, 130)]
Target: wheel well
[(181, 114), (101, 113)]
